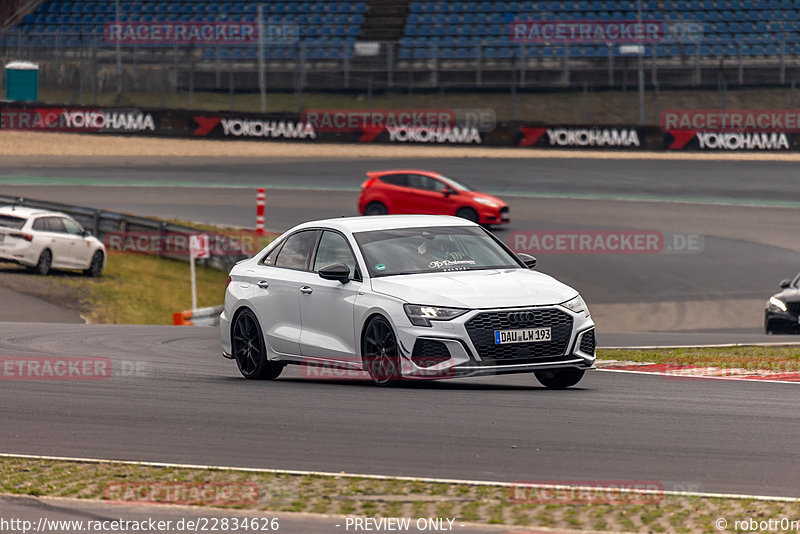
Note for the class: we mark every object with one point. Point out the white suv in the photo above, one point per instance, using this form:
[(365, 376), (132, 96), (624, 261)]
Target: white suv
[(43, 240)]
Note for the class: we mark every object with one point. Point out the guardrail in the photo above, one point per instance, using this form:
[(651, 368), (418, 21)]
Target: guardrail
[(102, 223)]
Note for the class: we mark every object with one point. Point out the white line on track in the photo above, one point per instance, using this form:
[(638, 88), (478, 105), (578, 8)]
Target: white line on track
[(674, 376), (403, 478)]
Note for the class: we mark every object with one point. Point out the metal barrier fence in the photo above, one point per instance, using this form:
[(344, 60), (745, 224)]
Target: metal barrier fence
[(87, 64)]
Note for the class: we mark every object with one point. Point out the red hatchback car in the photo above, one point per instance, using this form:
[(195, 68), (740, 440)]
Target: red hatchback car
[(412, 191)]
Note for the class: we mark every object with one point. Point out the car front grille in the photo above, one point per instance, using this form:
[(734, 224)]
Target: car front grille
[(481, 330), (793, 307), (587, 342)]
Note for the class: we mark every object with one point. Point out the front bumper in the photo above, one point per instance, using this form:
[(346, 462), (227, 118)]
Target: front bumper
[(459, 348), (780, 322), (487, 215)]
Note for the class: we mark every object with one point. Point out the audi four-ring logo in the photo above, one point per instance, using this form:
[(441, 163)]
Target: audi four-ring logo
[(520, 317)]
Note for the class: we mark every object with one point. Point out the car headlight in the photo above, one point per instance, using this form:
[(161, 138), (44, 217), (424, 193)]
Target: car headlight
[(577, 305), (423, 315), (486, 202), (776, 304)]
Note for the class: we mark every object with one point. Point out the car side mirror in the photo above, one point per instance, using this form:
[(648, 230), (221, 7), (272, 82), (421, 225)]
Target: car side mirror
[(785, 283), (86, 233), (527, 259), (447, 192), (337, 271)]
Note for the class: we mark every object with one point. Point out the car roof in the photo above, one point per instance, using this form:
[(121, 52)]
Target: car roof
[(400, 171), (385, 222), (24, 211)]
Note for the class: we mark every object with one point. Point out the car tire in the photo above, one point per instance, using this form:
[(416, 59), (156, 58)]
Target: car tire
[(468, 214), (559, 378), (44, 263), (375, 208), (381, 356), (96, 266), (249, 349)]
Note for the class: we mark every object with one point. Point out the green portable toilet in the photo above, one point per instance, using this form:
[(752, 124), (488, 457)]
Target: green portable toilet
[(22, 81)]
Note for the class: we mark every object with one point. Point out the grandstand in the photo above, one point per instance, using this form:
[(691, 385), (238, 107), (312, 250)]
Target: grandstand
[(402, 41)]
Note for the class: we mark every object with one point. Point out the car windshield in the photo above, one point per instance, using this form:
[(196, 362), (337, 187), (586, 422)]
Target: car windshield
[(457, 186), (431, 250), (12, 222)]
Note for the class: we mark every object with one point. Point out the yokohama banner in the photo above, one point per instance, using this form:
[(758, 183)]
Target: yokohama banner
[(609, 137), (729, 141), (731, 130), (63, 119)]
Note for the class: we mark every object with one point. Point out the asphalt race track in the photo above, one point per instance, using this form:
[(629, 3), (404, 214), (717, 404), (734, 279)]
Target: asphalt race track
[(746, 227), (172, 398)]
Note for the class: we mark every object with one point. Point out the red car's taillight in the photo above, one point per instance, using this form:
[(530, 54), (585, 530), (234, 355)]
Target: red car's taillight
[(26, 237)]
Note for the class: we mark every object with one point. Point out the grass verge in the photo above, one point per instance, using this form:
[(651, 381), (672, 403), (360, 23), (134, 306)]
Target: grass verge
[(778, 358), (134, 289), (276, 492)]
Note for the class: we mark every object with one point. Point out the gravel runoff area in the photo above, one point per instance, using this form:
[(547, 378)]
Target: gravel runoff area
[(87, 145)]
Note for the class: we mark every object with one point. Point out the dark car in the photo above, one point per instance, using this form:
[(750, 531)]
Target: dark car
[(782, 315)]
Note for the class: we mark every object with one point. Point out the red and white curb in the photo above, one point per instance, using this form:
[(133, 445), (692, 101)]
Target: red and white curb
[(688, 371)]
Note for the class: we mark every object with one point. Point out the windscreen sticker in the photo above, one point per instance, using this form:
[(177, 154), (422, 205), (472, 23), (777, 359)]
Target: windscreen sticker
[(449, 263), (380, 267), (422, 248)]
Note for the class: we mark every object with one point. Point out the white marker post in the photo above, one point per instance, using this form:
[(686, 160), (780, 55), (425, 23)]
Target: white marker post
[(198, 248)]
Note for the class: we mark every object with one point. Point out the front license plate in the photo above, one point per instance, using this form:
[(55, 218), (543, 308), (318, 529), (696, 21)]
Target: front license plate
[(522, 335)]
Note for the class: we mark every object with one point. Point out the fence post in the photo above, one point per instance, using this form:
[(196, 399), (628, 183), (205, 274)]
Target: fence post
[(230, 87), (654, 66), (390, 65), (783, 61), (95, 73), (346, 57), (262, 77), (191, 75), (164, 77), (479, 64), (741, 63)]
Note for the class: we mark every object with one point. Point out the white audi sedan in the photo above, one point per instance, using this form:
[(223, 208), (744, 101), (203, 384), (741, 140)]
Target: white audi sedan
[(43, 240), (403, 296)]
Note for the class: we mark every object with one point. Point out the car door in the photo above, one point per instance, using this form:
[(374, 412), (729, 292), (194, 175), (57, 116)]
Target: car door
[(80, 248), (277, 280), (399, 197), (429, 196), (50, 233), (327, 307)]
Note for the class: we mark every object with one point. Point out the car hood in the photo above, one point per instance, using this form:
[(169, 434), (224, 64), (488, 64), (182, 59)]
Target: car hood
[(476, 289), (788, 295)]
